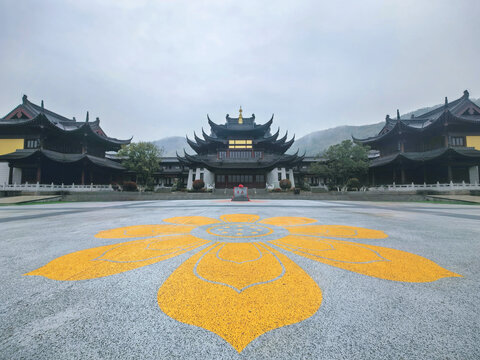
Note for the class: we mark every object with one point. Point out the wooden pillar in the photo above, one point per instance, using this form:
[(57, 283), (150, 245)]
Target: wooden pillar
[(10, 174), (449, 169), (39, 172), (402, 174)]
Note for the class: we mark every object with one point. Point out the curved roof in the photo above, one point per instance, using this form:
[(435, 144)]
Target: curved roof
[(211, 144), (218, 164), (38, 115), (462, 110), (425, 156), (233, 128), (61, 158)]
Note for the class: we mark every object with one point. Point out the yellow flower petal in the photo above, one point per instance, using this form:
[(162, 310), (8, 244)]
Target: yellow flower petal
[(240, 317), (342, 231), (376, 261), (113, 259), (144, 231), (239, 265), (191, 220), (287, 221), (328, 249), (249, 218)]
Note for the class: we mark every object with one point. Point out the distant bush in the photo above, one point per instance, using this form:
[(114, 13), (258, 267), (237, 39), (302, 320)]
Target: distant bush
[(178, 185), (130, 186), (305, 187), (285, 184), (198, 185), (353, 184)]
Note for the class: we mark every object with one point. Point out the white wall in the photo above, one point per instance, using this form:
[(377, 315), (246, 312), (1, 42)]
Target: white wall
[(190, 179), (4, 172), (208, 178), (272, 179), (474, 176), (17, 176)]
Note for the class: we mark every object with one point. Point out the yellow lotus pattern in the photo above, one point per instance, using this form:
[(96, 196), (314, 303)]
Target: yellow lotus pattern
[(239, 284)]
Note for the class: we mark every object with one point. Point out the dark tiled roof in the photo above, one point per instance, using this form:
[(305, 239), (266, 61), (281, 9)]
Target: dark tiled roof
[(425, 155), (37, 113), (462, 110), (61, 157), (268, 162)]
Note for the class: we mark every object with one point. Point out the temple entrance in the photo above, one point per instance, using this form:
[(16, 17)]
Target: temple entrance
[(229, 181)]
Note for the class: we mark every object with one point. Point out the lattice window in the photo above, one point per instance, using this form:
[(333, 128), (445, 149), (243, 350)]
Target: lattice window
[(457, 141), (239, 144)]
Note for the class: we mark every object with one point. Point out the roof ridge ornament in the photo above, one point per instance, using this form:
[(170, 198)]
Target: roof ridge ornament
[(87, 117), (466, 94), (24, 98), (398, 114), (43, 107), (240, 117), (387, 118)]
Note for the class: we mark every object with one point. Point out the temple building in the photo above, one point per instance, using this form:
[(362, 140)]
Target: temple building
[(240, 152), (38, 145), (441, 145)]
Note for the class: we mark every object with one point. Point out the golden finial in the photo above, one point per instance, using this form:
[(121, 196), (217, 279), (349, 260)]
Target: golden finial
[(240, 118)]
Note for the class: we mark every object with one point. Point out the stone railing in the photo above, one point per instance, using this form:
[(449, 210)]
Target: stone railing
[(54, 187), (435, 187)]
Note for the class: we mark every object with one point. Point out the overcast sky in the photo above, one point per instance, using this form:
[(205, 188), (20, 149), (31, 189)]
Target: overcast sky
[(152, 69)]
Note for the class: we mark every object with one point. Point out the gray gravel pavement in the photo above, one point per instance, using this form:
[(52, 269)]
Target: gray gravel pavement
[(118, 317)]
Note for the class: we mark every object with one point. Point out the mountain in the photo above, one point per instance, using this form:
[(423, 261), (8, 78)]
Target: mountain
[(172, 144), (318, 141), (312, 144)]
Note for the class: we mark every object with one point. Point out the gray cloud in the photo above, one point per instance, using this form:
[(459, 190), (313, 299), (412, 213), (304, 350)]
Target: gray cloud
[(156, 68)]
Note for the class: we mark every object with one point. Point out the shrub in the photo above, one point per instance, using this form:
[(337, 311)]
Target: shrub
[(115, 186), (305, 187), (277, 190), (285, 184), (178, 184), (130, 186), (353, 184), (198, 184)]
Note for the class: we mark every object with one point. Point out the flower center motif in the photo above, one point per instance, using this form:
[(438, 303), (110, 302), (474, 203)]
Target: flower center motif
[(235, 232), (240, 230)]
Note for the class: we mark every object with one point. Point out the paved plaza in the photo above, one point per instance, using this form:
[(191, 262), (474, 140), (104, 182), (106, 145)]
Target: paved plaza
[(212, 279)]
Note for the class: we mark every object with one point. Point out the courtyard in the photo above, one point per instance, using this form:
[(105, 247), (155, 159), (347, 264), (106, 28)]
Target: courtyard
[(267, 279)]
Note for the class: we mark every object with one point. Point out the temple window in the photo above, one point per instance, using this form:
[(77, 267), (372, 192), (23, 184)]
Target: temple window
[(239, 144), (457, 141), (32, 143)]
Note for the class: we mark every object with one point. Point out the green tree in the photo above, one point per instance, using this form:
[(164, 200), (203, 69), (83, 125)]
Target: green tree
[(143, 158), (343, 161)]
